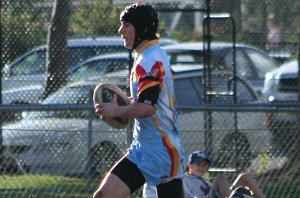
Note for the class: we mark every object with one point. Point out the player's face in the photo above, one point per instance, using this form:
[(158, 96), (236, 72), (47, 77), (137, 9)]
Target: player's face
[(127, 33), (198, 169)]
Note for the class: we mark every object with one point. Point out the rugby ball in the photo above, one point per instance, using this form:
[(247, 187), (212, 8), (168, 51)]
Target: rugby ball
[(104, 93)]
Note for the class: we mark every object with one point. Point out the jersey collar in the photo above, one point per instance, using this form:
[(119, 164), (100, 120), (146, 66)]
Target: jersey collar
[(144, 45)]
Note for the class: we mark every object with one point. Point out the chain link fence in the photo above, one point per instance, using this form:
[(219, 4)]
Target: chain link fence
[(53, 53)]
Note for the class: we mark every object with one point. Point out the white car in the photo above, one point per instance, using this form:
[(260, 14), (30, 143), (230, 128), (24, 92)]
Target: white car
[(70, 142), (57, 141), (281, 83), (281, 86)]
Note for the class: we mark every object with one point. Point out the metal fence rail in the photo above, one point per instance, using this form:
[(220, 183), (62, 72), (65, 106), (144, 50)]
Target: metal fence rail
[(38, 152)]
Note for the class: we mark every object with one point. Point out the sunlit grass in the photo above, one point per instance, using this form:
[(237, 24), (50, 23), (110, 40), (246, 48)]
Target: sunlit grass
[(45, 186)]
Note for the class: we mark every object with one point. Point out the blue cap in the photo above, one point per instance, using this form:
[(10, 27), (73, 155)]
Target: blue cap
[(198, 156)]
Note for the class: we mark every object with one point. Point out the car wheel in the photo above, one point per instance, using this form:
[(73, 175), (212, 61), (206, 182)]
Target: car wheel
[(104, 155), (12, 166), (234, 152)]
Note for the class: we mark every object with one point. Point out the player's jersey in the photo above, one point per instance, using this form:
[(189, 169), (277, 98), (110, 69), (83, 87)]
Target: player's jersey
[(196, 187), (156, 149)]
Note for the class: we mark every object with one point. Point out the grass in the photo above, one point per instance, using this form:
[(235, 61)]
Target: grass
[(46, 186)]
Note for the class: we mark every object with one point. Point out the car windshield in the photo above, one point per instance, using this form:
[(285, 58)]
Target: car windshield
[(79, 54), (32, 64), (195, 57), (263, 63), (97, 68), (68, 95), (189, 91)]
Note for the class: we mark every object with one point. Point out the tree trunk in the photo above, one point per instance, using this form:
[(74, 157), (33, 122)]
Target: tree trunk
[(57, 55)]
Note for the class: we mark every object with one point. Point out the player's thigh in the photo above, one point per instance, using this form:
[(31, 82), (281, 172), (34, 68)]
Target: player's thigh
[(172, 189), (122, 180), (112, 186)]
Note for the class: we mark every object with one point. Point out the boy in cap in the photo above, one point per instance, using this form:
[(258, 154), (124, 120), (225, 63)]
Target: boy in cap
[(195, 186), (156, 155)]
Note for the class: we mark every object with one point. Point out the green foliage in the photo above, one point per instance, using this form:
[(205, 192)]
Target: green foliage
[(185, 36), (96, 18), (21, 29)]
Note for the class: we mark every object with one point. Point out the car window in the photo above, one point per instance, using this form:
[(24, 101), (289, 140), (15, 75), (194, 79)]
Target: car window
[(69, 95), (245, 93), (32, 64), (262, 63), (79, 54), (243, 65), (188, 91), (35, 62), (97, 68), (185, 58), (197, 58)]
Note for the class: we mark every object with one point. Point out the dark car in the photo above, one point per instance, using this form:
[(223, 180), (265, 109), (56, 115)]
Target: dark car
[(251, 63)]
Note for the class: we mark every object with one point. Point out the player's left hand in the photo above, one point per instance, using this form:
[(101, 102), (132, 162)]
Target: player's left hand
[(108, 109)]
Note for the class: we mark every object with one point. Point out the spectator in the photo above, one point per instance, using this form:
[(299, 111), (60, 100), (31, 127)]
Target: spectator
[(274, 36), (195, 186)]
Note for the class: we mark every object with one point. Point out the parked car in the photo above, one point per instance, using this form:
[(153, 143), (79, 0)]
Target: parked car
[(28, 70), (281, 86), (57, 142), (251, 63), (96, 67), (91, 69)]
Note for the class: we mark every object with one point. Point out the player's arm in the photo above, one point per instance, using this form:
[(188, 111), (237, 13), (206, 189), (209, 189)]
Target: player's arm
[(135, 110), (143, 107)]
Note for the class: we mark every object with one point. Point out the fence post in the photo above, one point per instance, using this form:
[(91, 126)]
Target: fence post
[(89, 146)]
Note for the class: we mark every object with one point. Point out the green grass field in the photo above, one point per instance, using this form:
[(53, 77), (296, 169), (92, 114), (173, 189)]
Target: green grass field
[(33, 186), (45, 186)]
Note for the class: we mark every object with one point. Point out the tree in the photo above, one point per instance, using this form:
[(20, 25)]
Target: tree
[(56, 64), (100, 17), (21, 29)]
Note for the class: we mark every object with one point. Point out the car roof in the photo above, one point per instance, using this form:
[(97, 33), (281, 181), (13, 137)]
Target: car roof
[(110, 56), (125, 55), (121, 55), (199, 46), (89, 41)]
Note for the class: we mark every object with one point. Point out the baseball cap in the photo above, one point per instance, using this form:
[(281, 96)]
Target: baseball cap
[(198, 156)]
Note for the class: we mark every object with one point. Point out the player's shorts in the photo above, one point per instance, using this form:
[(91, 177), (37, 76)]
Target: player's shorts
[(132, 177), (155, 163)]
